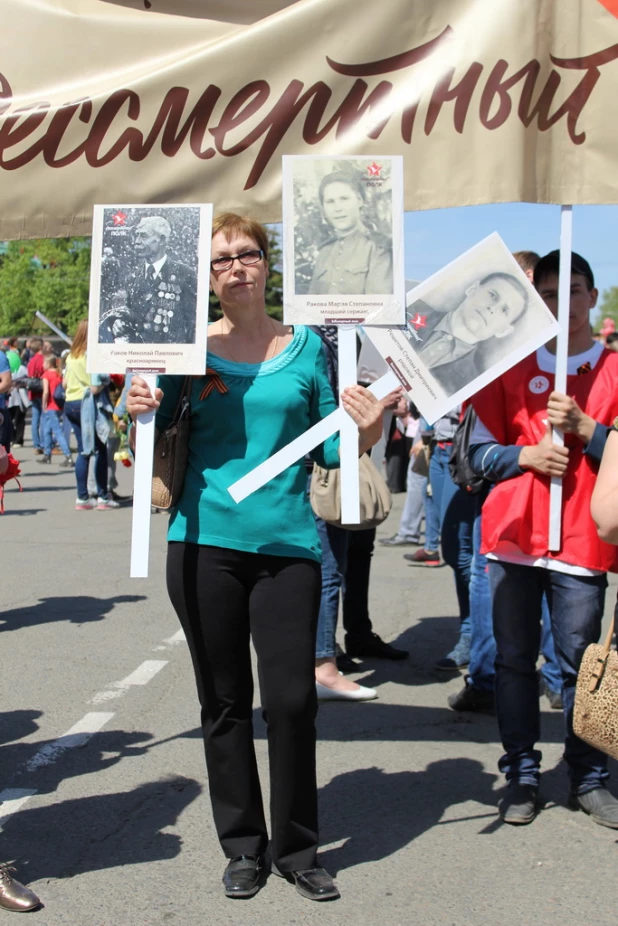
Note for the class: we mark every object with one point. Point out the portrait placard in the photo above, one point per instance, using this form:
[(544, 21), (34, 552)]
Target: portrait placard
[(149, 288), (466, 325), (343, 240)]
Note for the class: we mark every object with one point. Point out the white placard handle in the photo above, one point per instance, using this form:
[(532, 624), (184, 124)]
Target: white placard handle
[(562, 353), (348, 451), (142, 487)]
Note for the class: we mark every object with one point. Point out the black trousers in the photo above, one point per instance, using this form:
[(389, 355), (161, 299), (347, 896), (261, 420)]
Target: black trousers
[(355, 596), (223, 598)]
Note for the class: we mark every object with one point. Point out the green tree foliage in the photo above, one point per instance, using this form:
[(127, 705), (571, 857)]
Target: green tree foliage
[(49, 275), (274, 282), (608, 307)]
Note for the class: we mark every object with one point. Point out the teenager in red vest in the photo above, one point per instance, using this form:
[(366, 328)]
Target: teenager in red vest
[(512, 444)]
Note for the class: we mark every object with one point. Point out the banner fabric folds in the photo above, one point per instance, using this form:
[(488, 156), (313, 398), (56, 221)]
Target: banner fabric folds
[(107, 101)]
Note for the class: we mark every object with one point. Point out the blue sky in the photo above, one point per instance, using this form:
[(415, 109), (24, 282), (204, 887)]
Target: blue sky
[(435, 237)]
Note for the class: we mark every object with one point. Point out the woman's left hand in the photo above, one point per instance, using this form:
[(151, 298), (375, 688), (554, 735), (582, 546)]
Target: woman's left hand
[(366, 411)]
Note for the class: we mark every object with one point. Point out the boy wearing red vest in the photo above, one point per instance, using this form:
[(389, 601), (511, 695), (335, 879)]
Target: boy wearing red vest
[(512, 445)]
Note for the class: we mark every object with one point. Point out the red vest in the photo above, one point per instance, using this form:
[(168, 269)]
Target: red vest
[(513, 408)]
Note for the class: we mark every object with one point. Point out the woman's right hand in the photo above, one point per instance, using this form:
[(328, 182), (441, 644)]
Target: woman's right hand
[(140, 399)]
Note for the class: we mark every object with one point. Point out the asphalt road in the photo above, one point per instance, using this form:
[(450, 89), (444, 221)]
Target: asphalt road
[(104, 787)]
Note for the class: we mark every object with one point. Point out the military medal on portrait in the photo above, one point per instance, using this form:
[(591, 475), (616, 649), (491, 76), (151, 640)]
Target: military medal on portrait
[(149, 288)]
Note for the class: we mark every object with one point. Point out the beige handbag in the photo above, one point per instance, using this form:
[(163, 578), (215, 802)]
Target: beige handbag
[(595, 715), (375, 498), (420, 466), (171, 453)]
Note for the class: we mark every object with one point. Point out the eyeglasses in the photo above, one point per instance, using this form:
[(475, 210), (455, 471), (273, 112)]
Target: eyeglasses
[(247, 258)]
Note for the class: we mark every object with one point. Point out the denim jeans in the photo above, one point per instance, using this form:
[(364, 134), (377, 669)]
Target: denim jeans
[(482, 643), (432, 521), (72, 411), (414, 506), (334, 542), (456, 510), (576, 610), (36, 423), (51, 430)]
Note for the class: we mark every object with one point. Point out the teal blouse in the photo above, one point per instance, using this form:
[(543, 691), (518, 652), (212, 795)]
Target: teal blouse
[(266, 406)]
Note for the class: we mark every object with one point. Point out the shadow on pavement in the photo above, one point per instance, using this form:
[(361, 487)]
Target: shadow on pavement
[(13, 511), (78, 609), (378, 813), (15, 725), (99, 832)]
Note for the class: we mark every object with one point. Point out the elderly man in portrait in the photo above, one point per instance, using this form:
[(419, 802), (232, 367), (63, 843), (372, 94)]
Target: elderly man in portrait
[(459, 345), (158, 302)]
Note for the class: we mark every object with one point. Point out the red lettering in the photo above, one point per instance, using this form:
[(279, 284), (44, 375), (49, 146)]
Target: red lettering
[(14, 130), (103, 123), (461, 93), (241, 107)]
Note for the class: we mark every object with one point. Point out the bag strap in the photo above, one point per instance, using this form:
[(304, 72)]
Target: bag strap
[(184, 394), (599, 667)]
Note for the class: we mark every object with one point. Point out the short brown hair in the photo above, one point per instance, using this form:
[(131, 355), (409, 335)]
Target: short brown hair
[(51, 362), (527, 260), (230, 224), (35, 345)]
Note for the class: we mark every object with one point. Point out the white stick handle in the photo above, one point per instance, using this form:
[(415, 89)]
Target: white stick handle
[(303, 444), (562, 352), (142, 488), (349, 481)]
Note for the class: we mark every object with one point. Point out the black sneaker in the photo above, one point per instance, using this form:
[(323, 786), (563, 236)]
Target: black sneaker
[(344, 663), (599, 804), (554, 697), (373, 647), (472, 699), (519, 806)]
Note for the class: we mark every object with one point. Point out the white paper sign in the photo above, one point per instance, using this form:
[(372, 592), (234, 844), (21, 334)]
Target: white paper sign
[(343, 241), (466, 325), (149, 289)]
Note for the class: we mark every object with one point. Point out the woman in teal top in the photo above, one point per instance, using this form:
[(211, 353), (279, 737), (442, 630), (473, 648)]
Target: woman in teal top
[(252, 570)]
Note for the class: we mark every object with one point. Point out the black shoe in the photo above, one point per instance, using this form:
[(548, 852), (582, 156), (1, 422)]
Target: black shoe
[(43, 458), (373, 647), (519, 805), (599, 804), (241, 878), (345, 664), (312, 883), (121, 498), (554, 697), (472, 699)]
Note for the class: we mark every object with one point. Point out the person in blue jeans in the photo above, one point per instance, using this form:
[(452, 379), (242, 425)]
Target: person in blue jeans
[(456, 510), (331, 685), (478, 691), (512, 445), (51, 428)]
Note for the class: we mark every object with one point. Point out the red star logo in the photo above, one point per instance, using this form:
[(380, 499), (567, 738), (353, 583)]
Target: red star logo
[(374, 170), (419, 321), (119, 218)]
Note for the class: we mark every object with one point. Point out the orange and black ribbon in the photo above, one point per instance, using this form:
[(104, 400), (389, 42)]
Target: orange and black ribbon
[(584, 368), (213, 381)]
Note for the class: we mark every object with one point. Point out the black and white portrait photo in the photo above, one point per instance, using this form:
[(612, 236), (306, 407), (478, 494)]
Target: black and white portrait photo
[(465, 325), (343, 240), (146, 287)]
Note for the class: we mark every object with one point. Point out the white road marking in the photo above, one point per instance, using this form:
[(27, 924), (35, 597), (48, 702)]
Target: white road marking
[(12, 799), (179, 637), (78, 735), (142, 675)]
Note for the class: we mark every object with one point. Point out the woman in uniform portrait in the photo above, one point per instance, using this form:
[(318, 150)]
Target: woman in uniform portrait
[(354, 260)]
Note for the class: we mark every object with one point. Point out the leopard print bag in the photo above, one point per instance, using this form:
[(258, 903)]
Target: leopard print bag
[(595, 715)]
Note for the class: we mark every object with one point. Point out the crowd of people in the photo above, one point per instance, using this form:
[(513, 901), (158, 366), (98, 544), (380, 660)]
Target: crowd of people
[(268, 569)]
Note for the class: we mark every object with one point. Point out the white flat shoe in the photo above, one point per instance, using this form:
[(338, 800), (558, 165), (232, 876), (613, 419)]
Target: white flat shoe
[(333, 694)]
